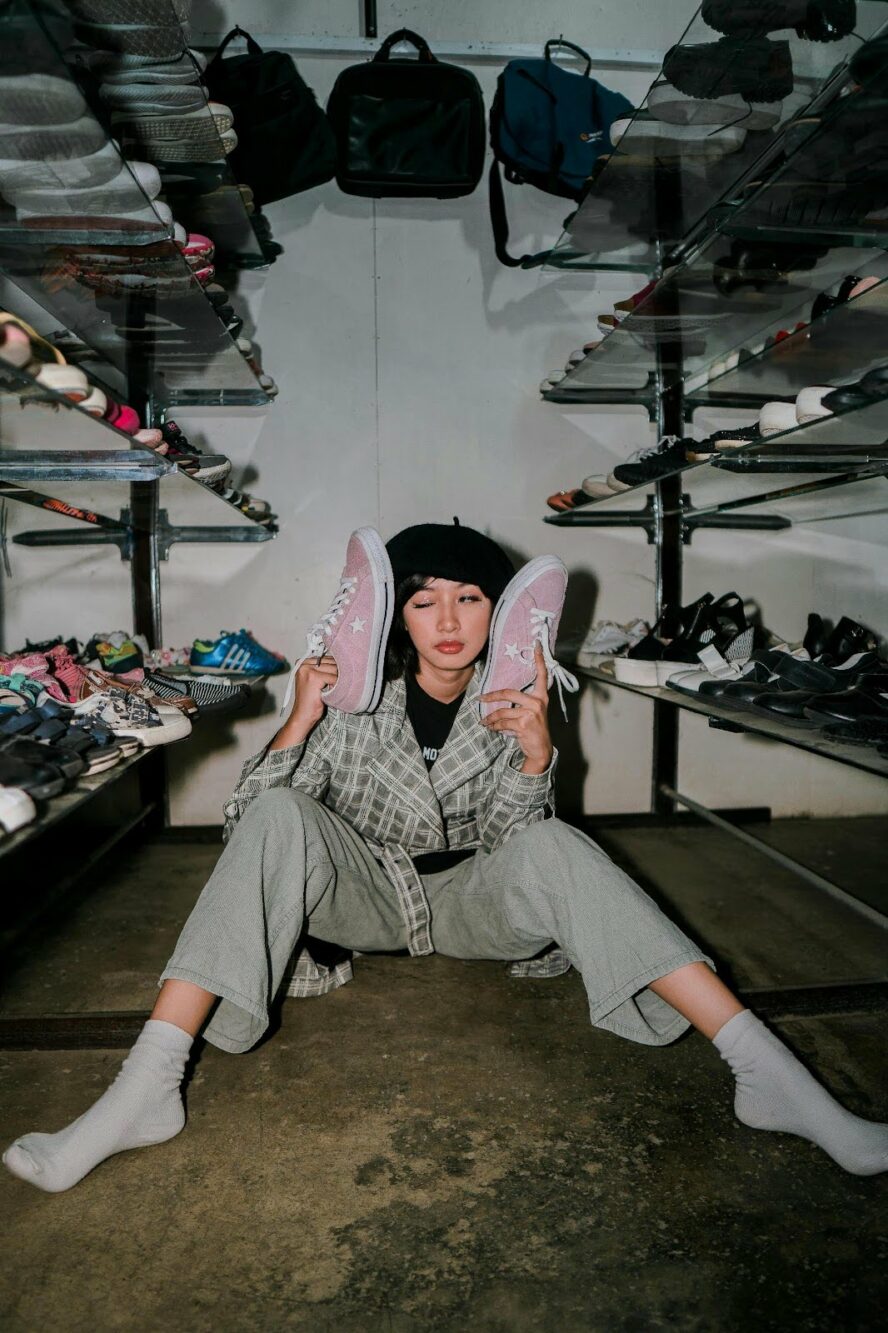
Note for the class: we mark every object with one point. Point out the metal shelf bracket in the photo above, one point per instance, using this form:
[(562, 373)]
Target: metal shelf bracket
[(167, 534)]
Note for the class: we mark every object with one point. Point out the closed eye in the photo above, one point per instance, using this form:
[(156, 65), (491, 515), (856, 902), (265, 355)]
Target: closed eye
[(466, 597)]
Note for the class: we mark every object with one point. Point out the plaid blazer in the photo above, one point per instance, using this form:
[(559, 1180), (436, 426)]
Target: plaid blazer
[(369, 769)]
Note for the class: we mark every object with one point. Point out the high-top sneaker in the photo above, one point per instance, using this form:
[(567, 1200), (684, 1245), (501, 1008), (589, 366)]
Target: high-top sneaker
[(527, 614), (354, 629)]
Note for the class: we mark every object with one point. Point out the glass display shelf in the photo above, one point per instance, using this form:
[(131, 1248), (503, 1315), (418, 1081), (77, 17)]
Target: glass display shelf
[(76, 144), (758, 724), (842, 344), (51, 425), (701, 313), (663, 177), (813, 461), (164, 337), (90, 247)]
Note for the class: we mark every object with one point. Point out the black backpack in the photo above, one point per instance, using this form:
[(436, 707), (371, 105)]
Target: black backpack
[(284, 143), (406, 127)]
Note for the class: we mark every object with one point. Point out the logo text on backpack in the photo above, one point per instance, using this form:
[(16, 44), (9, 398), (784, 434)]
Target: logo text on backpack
[(589, 136)]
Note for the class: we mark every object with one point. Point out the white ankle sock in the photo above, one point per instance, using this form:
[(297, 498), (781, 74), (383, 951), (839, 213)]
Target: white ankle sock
[(775, 1091), (142, 1106)]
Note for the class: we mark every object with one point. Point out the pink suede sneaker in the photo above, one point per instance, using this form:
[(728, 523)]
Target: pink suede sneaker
[(354, 631), (527, 613), (37, 667)]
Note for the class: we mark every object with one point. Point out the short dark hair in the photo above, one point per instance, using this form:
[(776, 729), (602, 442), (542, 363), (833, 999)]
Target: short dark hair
[(401, 657)]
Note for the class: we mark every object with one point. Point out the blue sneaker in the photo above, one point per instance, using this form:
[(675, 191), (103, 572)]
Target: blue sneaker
[(235, 653)]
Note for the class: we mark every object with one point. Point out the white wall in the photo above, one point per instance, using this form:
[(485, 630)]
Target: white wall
[(408, 361)]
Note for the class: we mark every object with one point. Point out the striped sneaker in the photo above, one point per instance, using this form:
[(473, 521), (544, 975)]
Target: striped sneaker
[(237, 654), (211, 696)]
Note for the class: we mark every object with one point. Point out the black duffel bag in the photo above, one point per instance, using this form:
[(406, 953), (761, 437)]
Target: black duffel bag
[(407, 128), (284, 143)]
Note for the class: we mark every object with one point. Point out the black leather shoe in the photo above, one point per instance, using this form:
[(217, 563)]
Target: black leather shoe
[(867, 700)]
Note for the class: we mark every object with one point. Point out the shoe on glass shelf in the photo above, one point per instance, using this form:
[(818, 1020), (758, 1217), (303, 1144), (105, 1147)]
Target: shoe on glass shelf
[(868, 389), (670, 454), (606, 639), (645, 135), (203, 467), (596, 485), (211, 694), (528, 613), (668, 104), (871, 731), (846, 639), (563, 502), (719, 628), (636, 665), (17, 809), (757, 69), (814, 20), (234, 654), (115, 652), (15, 341), (355, 627)]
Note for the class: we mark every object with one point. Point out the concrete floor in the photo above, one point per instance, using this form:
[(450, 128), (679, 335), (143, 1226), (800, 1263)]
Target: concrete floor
[(438, 1147)]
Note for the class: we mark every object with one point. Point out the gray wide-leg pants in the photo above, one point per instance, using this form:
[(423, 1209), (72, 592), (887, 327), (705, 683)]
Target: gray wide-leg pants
[(291, 863)]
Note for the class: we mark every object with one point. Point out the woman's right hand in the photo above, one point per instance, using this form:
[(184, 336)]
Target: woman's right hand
[(314, 675)]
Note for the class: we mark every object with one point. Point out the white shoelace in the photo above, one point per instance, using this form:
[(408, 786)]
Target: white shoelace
[(319, 634), (541, 621)]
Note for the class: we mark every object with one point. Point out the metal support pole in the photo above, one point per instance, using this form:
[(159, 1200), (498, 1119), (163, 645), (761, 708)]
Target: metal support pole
[(787, 862), (145, 564)]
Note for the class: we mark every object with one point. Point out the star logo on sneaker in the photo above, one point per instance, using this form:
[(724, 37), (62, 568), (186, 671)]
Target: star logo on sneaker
[(357, 625), (511, 650)]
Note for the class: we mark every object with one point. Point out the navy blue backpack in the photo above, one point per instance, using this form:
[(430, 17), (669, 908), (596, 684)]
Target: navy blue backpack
[(548, 126)]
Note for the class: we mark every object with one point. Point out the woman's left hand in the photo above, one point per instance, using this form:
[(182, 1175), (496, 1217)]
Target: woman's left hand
[(529, 721)]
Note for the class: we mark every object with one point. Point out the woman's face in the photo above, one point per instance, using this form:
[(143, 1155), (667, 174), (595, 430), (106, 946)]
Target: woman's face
[(448, 622)]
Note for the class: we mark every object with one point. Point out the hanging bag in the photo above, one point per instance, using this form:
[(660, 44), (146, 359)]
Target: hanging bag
[(284, 143), (548, 126), (406, 127)]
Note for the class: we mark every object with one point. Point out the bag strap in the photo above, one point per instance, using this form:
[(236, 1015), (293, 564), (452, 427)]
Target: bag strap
[(578, 50), (252, 45), (500, 225), (405, 35)]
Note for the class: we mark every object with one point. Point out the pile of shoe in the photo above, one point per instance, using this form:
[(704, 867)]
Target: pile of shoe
[(26, 350), (149, 80), (708, 629), (230, 654), (835, 681), (814, 403)]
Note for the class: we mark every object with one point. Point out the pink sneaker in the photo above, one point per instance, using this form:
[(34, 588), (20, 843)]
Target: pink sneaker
[(354, 631), (527, 613), (37, 667)]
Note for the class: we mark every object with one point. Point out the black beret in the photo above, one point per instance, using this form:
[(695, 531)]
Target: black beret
[(442, 551)]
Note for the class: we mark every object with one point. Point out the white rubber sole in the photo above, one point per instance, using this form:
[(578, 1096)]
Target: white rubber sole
[(16, 809), (666, 670), (525, 576), (635, 671), (173, 729), (384, 587), (668, 104)]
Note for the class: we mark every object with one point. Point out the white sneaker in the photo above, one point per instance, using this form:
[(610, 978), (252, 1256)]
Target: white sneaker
[(16, 809), (809, 403), (775, 418), (607, 638), (597, 485)]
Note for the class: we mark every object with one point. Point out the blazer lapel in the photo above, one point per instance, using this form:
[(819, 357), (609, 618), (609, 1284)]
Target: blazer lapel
[(398, 763), (469, 749)]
